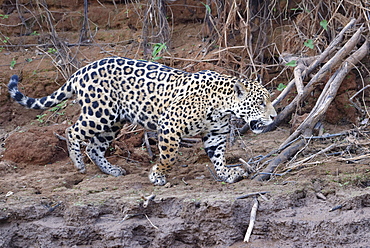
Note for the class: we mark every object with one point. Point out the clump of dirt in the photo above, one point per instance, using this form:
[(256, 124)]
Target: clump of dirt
[(38, 145)]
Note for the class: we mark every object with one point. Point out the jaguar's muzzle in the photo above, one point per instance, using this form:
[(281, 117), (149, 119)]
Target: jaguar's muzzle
[(257, 126)]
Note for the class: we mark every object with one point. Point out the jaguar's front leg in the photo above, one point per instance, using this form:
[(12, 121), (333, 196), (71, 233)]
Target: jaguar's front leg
[(215, 146), (168, 144)]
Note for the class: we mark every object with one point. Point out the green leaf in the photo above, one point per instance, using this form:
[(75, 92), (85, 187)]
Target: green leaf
[(157, 49), (13, 63), (208, 8), (309, 44), (281, 86), (324, 24), (292, 63), (52, 50)]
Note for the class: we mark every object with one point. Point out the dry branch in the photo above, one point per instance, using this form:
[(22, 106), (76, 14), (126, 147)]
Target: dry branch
[(85, 24), (65, 63), (331, 87), (364, 156), (252, 220), (156, 28), (252, 194), (282, 157), (309, 87), (299, 79), (326, 97), (299, 163)]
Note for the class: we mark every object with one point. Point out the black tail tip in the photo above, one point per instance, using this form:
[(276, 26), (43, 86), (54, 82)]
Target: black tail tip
[(13, 82), (14, 78)]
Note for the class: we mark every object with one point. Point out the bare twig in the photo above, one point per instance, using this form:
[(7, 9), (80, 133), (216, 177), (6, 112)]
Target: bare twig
[(364, 156), (252, 194), (151, 223), (358, 92), (247, 166), (60, 137), (252, 220), (147, 145), (183, 180), (213, 174), (85, 24), (129, 216), (283, 156), (294, 165), (298, 78)]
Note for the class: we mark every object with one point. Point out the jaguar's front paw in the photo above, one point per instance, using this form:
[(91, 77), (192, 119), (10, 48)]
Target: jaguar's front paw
[(157, 177), (117, 171), (232, 175), (111, 169)]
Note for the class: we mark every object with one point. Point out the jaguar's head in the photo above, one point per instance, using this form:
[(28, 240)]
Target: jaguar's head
[(253, 104)]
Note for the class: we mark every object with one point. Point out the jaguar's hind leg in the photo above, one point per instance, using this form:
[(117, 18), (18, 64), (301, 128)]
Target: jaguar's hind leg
[(74, 149), (96, 150)]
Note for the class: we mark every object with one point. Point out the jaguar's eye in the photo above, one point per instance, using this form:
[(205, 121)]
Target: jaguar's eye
[(262, 104)]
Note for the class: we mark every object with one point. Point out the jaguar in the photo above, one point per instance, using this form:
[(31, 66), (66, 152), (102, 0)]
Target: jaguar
[(177, 104)]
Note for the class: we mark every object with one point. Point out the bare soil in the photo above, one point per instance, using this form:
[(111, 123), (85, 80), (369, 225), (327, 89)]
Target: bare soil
[(45, 202)]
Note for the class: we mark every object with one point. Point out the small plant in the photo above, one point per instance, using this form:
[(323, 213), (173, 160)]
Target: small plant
[(13, 63), (292, 63), (324, 24), (157, 49), (208, 8), (281, 87), (40, 118), (34, 33), (5, 40), (309, 44), (52, 50), (4, 16), (59, 106)]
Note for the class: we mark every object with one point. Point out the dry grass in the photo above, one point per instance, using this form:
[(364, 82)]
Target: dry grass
[(252, 34)]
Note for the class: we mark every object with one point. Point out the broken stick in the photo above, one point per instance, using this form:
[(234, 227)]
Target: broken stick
[(252, 194), (282, 157), (252, 220)]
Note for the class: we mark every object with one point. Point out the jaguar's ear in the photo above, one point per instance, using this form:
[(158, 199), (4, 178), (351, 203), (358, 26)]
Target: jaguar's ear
[(240, 90)]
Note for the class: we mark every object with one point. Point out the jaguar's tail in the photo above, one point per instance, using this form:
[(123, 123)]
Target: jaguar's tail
[(63, 93)]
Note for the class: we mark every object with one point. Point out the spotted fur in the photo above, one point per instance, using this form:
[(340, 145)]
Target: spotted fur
[(113, 91)]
